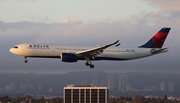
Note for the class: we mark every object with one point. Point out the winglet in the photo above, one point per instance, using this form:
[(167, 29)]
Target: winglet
[(158, 39), (117, 44)]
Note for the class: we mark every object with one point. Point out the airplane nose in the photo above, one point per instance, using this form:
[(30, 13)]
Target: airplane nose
[(11, 50)]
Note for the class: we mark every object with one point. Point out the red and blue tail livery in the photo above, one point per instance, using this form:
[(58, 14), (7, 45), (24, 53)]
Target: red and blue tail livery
[(158, 39)]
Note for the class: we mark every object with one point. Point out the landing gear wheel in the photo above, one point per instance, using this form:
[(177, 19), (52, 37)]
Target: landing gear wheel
[(91, 66), (26, 61), (87, 64)]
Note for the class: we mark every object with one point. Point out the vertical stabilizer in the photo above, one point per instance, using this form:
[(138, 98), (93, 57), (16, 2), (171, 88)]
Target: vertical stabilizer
[(158, 39)]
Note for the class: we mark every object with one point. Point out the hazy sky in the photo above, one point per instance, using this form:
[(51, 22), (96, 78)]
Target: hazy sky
[(55, 11), (85, 22)]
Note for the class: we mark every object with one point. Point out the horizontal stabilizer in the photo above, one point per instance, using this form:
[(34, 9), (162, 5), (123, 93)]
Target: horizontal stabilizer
[(154, 51)]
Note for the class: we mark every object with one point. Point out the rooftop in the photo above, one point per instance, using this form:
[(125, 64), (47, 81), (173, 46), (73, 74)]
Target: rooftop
[(91, 85)]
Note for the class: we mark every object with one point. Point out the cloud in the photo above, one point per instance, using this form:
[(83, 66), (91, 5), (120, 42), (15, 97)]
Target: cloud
[(76, 30), (39, 19), (132, 33), (165, 6), (66, 21), (167, 14), (25, 0), (20, 0)]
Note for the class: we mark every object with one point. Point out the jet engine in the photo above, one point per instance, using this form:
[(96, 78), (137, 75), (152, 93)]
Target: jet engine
[(68, 57)]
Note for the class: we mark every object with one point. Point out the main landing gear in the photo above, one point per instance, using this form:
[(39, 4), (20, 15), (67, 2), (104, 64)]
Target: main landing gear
[(25, 60), (88, 63)]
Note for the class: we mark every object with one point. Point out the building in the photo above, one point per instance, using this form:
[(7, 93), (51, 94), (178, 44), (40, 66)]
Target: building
[(122, 85), (123, 81), (13, 85), (162, 86), (167, 86), (39, 87), (171, 87), (95, 80), (22, 86), (85, 94), (111, 83)]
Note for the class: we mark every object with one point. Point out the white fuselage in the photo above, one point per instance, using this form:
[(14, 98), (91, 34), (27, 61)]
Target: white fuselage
[(55, 51)]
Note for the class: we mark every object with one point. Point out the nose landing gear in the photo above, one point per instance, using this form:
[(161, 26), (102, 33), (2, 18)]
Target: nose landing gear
[(25, 59)]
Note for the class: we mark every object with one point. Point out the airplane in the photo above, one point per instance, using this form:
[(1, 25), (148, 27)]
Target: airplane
[(103, 52)]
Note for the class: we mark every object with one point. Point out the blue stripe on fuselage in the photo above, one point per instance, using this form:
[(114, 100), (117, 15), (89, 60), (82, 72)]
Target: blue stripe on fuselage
[(81, 58)]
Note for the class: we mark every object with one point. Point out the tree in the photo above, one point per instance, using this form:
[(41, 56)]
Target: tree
[(165, 97), (5, 99)]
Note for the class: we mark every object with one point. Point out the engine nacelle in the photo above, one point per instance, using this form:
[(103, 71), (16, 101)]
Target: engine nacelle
[(68, 57)]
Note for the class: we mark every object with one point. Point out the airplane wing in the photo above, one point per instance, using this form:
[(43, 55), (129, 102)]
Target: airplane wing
[(95, 51)]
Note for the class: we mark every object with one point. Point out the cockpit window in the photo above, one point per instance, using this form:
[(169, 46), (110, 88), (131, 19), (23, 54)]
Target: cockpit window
[(16, 47)]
